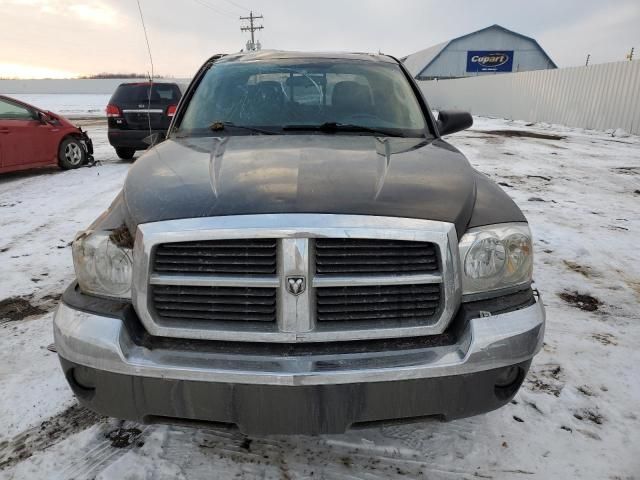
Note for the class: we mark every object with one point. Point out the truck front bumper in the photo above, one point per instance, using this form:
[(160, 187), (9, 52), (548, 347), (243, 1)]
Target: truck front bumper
[(297, 394)]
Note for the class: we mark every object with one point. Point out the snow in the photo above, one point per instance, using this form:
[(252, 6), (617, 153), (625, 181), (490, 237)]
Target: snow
[(40, 213), (576, 416)]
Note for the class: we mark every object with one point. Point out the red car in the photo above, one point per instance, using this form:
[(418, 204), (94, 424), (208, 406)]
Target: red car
[(30, 137)]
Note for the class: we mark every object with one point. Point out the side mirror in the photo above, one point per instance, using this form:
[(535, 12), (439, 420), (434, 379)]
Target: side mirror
[(452, 121), (48, 118), (43, 117)]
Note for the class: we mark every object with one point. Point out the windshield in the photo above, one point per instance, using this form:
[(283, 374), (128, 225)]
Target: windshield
[(288, 96)]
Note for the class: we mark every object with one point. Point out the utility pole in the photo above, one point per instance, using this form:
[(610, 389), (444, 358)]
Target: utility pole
[(252, 28), (587, 62), (630, 56)]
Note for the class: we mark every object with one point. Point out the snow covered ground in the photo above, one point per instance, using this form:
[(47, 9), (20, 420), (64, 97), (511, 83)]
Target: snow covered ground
[(577, 415)]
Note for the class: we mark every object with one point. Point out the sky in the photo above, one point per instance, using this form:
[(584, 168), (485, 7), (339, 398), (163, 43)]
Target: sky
[(66, 38)]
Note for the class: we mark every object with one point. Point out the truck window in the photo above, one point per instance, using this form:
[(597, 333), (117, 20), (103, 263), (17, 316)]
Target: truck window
[(274, 94)]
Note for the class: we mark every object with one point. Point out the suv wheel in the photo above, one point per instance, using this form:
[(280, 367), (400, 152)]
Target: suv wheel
[(71, 154), (126, 153)]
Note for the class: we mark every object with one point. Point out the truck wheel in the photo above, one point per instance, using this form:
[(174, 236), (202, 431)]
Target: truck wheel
[(71, 154), (126, 153)]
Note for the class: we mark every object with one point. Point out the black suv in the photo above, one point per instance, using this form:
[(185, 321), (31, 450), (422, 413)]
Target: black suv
[(139, 115)]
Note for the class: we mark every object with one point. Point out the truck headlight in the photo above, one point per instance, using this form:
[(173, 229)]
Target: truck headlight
[(496, 257), (102, 267)]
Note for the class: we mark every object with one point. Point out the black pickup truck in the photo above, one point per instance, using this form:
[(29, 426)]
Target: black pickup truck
[(303, 254)]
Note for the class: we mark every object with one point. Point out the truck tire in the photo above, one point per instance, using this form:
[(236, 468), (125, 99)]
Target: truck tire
[(71, 154), (126, 153)]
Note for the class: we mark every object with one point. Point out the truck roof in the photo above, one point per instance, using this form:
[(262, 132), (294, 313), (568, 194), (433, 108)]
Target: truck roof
[(292, 55)]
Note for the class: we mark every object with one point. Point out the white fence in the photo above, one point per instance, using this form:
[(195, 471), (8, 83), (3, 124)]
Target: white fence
[(600, 97)]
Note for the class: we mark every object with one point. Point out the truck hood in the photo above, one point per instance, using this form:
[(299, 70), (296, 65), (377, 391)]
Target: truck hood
[(358, 175)]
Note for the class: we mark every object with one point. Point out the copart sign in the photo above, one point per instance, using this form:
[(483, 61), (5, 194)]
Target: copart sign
[(490, 61)]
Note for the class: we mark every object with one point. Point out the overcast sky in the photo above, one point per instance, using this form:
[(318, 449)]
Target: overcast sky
[(79, 37)]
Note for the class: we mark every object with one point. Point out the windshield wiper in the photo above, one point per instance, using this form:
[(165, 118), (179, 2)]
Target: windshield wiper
[(333, 127), (218, 126)]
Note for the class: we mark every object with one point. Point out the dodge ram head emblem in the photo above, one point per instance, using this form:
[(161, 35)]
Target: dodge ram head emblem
[(296, 285)]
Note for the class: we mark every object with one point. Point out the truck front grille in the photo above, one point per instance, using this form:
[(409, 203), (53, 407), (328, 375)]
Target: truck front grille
[(295, 278), (218, 304), (402, 303), (356, 256), (233, 257)]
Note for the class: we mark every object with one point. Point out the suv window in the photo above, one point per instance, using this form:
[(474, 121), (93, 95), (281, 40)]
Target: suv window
[(11, 111), (275, 94), (164, 93)]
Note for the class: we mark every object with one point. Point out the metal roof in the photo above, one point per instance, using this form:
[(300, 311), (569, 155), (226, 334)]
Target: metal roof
[(416, 62)]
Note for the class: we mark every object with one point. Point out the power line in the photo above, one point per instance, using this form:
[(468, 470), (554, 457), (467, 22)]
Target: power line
[(215, 8), (252, 28), (241, 7), (218, 8)]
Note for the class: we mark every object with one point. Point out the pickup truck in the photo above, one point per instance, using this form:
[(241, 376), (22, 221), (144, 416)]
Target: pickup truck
[(303, 254)]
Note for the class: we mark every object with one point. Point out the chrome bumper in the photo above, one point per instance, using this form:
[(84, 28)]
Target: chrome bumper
[(103, 343)]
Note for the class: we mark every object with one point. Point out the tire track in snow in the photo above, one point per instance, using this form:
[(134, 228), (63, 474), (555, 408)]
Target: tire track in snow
[(98, 457), (50, 432), (326, 457)]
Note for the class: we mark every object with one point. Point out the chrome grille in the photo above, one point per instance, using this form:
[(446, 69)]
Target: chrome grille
[(403, 303), (219, 304), (357, 256), (353, 277), (246, 257)]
